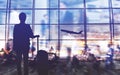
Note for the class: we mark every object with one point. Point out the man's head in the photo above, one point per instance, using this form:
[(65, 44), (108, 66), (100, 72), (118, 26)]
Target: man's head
[(22, 17)]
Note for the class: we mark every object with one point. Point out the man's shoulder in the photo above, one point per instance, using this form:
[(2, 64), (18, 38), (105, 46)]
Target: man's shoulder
[(27, 24), (23, 25), (16, 24)]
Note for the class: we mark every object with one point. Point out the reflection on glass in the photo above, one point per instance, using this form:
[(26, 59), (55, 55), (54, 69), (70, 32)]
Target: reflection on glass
[(97, 16), (66, 17), (80, 16), (98, 32), (21, 3)]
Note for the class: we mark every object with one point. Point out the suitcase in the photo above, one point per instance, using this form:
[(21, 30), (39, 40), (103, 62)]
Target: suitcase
[(41, 60)]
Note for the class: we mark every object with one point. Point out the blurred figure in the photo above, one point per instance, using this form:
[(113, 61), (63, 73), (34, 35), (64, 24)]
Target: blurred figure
[(109, 58), (69, 53), (8, 46), (51, 49), (96, 51), (8, 52), (32, 49), (86, 49), (66, 17), (44, 30), (44, 25), (81, 16), (118, 47), (21, 34)]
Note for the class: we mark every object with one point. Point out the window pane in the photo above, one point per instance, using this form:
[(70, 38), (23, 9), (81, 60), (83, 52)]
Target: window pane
[(11, 27), (116, 3), (71, 16), (2, 44), (42, 30), (53, 3), (54, 16), (96, 3), (117, 31), (41, 15), (66, 17), (79, 16), (3, 3), (71, 3), (42, 3), (54, 32), (116, 14), (98, 32), (97, 16), (21, 3), (2, 31), (14, 16), (2, 16)]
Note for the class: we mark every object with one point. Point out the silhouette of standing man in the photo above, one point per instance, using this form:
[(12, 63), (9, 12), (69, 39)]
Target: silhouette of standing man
[(21, 34)]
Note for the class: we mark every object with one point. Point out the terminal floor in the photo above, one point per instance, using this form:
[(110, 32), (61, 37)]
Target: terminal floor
[(65, 69)]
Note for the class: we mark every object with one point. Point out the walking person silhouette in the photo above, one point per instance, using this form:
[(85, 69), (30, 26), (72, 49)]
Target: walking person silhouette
[(21, 41)]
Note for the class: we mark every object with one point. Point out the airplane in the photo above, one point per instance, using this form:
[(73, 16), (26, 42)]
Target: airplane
[(71, 32)]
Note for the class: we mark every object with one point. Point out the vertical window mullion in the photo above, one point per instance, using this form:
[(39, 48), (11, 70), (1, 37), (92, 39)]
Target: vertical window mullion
[(59, 41), (85, 24), (111, 20), (8, 25), (6, 20)]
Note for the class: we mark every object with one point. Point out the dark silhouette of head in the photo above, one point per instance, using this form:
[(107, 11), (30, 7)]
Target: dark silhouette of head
[(22, 17)]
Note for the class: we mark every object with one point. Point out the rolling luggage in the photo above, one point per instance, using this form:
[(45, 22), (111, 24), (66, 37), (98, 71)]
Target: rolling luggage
[(41, 60)]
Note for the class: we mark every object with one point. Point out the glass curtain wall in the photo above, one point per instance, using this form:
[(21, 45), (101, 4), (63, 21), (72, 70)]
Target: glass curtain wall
[(98, 22)]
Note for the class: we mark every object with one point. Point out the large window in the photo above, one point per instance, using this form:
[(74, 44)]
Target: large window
[(98, 20)]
